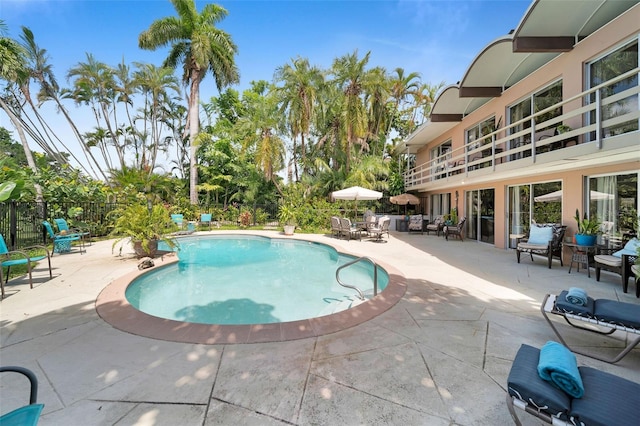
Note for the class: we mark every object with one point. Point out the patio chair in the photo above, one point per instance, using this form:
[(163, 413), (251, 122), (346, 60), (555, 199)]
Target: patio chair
[(178, 219), (382, 228), (436, 226), (415, 223), (62, 225), (618, 261), (26, 415), (348, 229), (205, 219), (336, 229), (607, 399), (19, 257), (602, 316), (62, 243), (457, 231), (544, 240)]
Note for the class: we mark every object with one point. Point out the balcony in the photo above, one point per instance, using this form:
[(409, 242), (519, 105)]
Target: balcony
[(604, 131)]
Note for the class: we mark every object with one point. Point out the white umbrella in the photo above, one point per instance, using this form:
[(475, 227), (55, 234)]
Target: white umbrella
[(356, 193), (557, 196)]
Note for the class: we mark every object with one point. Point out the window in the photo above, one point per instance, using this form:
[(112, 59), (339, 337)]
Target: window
[(613, 200), (539, 101), (440, 205), (475, 138), (606, 68), (440, 155), (543, 199)]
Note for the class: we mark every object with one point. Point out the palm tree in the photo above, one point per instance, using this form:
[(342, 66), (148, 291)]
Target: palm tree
[(349, 72), (299, 95), (13, 71), (261, 129), (200, 47)]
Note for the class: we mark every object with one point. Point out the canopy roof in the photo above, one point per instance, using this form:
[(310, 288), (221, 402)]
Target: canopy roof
[(548, 28)]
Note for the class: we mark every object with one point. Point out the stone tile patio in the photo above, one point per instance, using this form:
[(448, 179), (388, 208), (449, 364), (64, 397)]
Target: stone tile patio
[(440, 356)]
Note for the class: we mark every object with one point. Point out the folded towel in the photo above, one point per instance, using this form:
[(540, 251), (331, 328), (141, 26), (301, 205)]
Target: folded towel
[(558, 365), (577, 296)]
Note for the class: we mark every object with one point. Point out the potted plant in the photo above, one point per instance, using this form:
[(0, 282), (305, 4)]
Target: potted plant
[(588, 229), (144, 226), (287, 218)]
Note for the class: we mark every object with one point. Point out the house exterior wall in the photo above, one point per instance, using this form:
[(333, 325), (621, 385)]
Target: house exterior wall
[(570, 67)]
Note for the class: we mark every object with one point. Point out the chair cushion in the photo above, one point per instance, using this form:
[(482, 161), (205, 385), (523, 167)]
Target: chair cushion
[(609, 260), (540, 235), (525, 384), (630, 248), (529, 246), (622, 313), (607, 399)]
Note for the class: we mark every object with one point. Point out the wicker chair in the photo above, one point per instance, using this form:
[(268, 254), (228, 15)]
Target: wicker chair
[(618, 261), (549, 249), (415, 223), (457, 230), (436, 226)]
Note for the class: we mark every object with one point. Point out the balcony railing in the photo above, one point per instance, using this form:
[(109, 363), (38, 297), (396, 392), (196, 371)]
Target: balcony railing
[(534, 139)]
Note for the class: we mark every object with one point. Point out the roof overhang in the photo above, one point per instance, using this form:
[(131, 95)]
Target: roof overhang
[(556, 26), (548, 28)]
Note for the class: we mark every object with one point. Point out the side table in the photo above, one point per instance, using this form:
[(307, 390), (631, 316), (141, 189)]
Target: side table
[(581, 255)]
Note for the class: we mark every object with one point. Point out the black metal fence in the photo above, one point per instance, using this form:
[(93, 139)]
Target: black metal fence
[(21, 222)]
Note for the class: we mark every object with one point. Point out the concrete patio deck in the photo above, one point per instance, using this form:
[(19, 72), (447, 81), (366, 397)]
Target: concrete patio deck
[(440, 356)]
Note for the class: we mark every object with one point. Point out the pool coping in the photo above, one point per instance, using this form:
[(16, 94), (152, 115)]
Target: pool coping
[(113, 307)]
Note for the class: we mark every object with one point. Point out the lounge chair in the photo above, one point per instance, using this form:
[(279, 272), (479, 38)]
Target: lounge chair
[(436, 226), (457, 231), (608, 315), (618, 261), (20, 257), (607, 399), (27, 414), (415, 223), (62, 243), (544, 240)]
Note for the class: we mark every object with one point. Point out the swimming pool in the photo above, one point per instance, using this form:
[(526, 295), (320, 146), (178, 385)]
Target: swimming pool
[(245, 279)]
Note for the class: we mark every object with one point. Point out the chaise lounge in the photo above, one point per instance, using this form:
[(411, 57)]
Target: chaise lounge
[(607, 399), (606, 315)]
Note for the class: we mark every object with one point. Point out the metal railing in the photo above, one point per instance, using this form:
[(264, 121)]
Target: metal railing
[(375, 276), (514, 144)]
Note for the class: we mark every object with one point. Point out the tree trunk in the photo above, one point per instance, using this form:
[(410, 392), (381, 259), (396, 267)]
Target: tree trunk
[(25, 146), (194, 128)]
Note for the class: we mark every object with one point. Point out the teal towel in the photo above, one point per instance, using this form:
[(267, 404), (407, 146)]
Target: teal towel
[(558, 365), (577, 296)]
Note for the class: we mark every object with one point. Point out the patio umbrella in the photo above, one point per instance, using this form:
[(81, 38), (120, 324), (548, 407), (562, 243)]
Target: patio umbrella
[(404, 200), (356, 193), (557, 196)]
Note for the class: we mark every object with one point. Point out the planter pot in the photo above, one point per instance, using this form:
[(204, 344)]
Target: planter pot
[(288, 229), (586, 240), (141, 252)]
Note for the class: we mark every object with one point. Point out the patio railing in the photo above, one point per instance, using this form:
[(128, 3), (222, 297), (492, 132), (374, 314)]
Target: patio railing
[(601, 116)]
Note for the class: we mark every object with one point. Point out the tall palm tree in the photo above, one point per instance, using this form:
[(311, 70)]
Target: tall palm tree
[(349, 73), (200, 47), (13, 71), (299, 93), (261, 129)]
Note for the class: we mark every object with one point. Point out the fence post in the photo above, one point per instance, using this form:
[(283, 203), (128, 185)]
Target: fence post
[(13, 225)]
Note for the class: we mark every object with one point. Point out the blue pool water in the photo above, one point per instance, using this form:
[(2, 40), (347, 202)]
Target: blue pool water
[(251, 280)]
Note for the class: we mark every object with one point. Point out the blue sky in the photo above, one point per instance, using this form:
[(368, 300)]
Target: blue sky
[(436, 38)]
